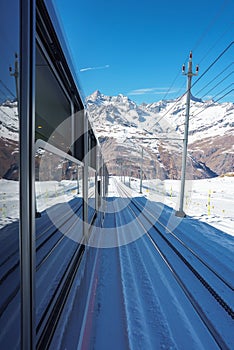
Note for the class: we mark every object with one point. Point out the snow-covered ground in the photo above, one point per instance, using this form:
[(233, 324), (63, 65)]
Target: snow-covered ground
[(126, 297), (209, 200), (48, 193), (132, 300)]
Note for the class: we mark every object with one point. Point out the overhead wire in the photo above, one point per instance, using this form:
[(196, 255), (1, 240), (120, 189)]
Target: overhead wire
[(223, 90), (10, 92), (213, 63), (210, 66), (211, 23), (227, 76), (217, 41), (198, 42), (167, 111), (210, 105), (214, 78), (3, 93), (215, 101), (205, 72), (224, 95), (170, 88)]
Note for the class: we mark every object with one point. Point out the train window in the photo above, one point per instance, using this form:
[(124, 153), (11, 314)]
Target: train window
[(59, 224), (53, 107), (9, 176), (58, 181), (91, 194), (58, 177)]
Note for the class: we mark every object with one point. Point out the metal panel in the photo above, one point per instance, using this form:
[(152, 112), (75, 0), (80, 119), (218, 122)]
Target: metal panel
[(27, 212)]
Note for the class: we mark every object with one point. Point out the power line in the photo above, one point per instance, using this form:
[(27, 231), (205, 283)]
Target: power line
[(211, 24), (179, 99), (213, 101), (10, 92), (168, 111), (223, 90), (207, 106), (224, 95), (217, 41), (213, 63), (3, 93), (227, 76), (167, 92), (214, 78), (210, 66)]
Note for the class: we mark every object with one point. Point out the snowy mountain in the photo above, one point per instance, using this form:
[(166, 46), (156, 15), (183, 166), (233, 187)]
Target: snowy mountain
[(9, 140), (124, 128)]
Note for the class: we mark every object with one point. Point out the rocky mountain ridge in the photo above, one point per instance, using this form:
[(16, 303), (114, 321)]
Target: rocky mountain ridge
[(147, 135), (125, 128)]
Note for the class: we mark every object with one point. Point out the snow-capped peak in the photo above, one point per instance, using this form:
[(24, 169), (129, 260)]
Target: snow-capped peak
[(95, 95), (210, 128)]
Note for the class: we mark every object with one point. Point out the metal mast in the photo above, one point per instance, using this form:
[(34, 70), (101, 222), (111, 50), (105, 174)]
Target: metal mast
[(189, 74)]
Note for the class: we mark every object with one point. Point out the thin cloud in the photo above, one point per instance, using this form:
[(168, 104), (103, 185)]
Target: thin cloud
[(151, 91), (94, 68)]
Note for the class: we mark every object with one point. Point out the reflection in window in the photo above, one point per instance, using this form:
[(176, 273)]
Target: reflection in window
[(9, 177), (58, 178), (59, 225), (52, 106), (91, 194)]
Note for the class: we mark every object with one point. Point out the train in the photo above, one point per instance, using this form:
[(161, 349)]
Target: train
[(52, 170)]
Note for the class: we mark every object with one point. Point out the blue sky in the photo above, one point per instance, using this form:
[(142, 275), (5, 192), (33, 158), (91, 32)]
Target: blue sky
[(137, 48)]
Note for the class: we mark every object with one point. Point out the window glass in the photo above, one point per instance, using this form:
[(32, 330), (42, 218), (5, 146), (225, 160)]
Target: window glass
[(91, 194), (58, 188), (9, 176)]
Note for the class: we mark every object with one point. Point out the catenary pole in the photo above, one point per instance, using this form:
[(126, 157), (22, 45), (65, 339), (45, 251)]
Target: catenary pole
[(141, 169), (189, 74)]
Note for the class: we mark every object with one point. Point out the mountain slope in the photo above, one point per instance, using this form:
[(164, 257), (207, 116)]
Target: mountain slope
[(9, 140), (124, 128)]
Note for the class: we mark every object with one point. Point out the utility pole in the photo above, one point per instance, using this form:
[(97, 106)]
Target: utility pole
[(78, 180), (190, 74), (16, 75), (141, 170), (130, 172)]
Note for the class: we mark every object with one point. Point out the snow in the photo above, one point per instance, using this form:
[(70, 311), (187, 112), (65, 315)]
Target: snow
[(170, 114), (121, 124), (9, 126), (220, 190), (133, 300), (125, 296), (48, 193)]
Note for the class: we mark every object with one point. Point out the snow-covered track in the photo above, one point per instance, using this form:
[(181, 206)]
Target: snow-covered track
[(170, 247)]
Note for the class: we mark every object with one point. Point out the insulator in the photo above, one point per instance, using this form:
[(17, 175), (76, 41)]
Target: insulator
[(190, 55), (197, 69), (183, 68)]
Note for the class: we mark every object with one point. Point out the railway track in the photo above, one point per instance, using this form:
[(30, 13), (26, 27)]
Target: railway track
[(183, 261)]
